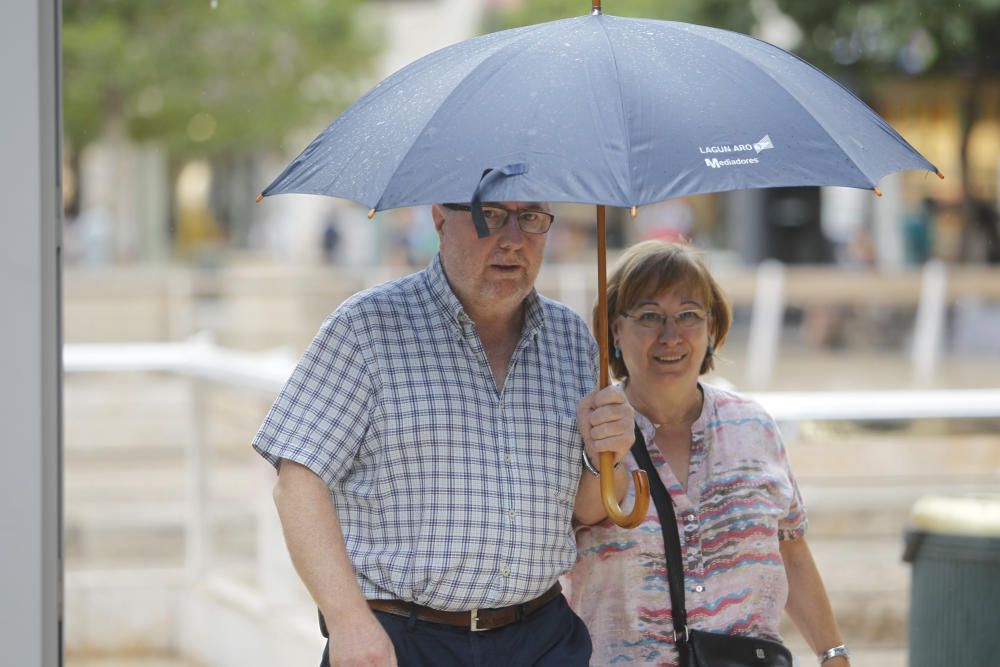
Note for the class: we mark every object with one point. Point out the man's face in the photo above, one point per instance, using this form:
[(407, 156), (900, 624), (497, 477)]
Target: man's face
[(494, 273)]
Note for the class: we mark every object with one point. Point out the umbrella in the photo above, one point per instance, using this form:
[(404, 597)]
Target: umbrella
[(604, 110)]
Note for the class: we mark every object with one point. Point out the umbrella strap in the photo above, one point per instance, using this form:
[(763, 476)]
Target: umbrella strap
[(489, 177)]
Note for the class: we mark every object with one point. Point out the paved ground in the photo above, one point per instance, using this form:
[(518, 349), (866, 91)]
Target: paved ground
[(862, 657), (125, 479)]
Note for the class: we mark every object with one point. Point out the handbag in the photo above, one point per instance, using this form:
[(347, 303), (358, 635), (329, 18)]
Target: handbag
[(698, 648)]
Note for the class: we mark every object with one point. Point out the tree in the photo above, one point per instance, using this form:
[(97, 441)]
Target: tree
[(875, 40), (222, 80), (210, 77)]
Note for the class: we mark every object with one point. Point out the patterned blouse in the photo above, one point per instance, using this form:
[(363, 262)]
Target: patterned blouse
[(740, 501)]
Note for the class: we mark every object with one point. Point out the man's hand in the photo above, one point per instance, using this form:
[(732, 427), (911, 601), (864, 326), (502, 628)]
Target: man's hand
[(360, 641), (606, 422)]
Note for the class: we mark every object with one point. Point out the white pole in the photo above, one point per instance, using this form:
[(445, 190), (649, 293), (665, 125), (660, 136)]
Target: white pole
[(928, 331), (196, 534), (765, 323), (573, 280), (30, 340)]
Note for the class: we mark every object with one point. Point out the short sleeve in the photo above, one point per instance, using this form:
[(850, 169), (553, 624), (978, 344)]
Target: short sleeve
[(322, 414), (794, 524)]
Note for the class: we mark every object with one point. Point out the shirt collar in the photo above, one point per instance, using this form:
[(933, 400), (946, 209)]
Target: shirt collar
[(648, 429), (437, 283)]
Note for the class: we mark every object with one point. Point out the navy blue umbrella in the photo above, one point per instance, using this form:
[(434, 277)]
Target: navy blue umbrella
[(598, 109)]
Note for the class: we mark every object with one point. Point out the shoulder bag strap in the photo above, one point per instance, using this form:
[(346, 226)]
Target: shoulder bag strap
[(671, 540)]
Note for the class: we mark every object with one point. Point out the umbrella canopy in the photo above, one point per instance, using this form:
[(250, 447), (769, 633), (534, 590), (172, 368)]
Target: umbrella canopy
[(603, 110), (598, 109)]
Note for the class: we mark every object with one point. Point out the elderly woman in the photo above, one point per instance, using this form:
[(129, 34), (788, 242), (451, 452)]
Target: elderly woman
[(739, 515)]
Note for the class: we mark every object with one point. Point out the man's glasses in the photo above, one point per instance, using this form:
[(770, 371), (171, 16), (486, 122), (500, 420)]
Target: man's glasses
[(530, 220), (686, 320)]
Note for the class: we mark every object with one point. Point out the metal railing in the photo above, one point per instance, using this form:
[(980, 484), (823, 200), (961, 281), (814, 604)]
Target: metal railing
[(200, 360)]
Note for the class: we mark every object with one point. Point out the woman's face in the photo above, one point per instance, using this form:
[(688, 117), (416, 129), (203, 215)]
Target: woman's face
[(663, 338)]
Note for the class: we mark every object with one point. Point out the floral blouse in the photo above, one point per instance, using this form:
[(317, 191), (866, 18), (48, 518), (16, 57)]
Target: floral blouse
[(741, 500)]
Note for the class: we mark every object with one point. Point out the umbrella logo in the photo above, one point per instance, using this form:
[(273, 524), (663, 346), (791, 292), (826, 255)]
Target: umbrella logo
[(764, 144), (716, 163)]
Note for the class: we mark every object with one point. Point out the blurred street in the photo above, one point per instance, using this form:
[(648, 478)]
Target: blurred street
[(173, 553)]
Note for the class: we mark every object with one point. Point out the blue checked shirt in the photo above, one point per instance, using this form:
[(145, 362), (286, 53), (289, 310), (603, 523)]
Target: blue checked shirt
[(451, 494)]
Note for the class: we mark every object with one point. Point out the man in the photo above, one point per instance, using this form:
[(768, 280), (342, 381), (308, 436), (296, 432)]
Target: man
[(429, 457)]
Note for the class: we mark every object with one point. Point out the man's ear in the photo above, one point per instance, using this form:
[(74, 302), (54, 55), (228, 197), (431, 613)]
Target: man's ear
[(437, 213)]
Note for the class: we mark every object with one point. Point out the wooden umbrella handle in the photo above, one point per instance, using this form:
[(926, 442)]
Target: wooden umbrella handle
[(607, 468), (607, 460)]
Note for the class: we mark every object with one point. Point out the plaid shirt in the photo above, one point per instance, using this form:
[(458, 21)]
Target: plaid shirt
[(451, 494)]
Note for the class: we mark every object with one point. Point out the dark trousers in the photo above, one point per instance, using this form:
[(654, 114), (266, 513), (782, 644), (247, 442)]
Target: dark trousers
[(554, 636)]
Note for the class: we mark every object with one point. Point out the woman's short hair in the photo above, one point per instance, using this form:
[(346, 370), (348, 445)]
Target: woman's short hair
[(655, 267)]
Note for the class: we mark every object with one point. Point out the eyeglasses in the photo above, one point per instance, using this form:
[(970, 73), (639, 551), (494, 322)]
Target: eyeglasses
[(685, 320), (530, 220)]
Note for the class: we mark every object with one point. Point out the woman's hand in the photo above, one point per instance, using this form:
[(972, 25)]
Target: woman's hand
[(606, 422)]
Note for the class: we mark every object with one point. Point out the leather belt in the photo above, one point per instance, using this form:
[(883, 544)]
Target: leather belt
[(476, 619)]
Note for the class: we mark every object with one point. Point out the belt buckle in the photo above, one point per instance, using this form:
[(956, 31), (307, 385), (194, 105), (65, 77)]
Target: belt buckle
[(474, 621)]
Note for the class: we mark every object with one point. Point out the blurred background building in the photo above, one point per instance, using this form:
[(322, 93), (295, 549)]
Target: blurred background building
[(177, 115)]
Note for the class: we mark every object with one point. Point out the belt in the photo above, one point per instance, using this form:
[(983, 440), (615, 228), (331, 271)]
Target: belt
[(475, 620)]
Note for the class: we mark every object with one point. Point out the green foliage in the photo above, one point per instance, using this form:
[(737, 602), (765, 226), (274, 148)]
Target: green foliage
[(728, 14), (846, 38), (232, 78), (875, 38)]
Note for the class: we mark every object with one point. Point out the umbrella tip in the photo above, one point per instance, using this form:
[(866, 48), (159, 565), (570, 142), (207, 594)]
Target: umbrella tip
[(371, 214), (939, 174), (259, 199), (878, 193), (595, 7), (633, 211)]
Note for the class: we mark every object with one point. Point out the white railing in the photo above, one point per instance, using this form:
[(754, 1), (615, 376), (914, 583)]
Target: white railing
[(266, 373), (199, 359)]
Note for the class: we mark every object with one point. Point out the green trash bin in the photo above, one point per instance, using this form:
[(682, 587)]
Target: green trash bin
[(954, 547)]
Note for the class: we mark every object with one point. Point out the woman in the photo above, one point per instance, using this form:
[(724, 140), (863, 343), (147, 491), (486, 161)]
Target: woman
[(739, 514)]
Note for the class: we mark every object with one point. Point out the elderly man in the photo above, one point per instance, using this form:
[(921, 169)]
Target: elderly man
[(428, 448)]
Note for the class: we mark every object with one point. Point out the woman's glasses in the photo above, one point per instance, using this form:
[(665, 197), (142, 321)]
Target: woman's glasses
[(685, 320)]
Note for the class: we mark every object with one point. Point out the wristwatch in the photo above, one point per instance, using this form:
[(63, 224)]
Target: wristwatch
[(835, 652), (590, 466)]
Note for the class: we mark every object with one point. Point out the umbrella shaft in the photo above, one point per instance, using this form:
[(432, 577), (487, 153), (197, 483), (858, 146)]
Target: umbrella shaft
[(602, 296)]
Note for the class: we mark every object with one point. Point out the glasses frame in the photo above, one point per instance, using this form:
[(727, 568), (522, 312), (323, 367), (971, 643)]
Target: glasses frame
[(517, 215), (664, 317)]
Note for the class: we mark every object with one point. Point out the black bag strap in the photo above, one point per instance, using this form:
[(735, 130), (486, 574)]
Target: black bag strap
[(671, 540)]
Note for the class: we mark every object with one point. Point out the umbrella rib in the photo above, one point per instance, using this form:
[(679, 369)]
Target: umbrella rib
[(621, 103), (529, 30)]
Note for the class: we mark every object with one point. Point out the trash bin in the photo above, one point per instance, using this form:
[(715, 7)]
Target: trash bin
[(954, 547)]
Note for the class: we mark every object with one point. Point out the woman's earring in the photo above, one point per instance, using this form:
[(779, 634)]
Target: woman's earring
[(711, 349), (618, 353)]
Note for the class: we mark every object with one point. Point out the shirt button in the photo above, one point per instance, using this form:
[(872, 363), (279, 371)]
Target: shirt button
[(512, 514), (699, 588), (506, 458), (690, 518), (504, 572)]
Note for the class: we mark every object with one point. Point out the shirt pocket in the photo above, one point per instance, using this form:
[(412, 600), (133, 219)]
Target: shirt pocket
[(550, 460)]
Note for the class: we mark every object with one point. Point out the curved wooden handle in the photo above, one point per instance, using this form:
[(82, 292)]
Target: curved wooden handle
[(607, 461), (615, 512)]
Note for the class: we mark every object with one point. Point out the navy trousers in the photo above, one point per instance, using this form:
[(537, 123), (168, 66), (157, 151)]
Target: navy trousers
[(554, 636)]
